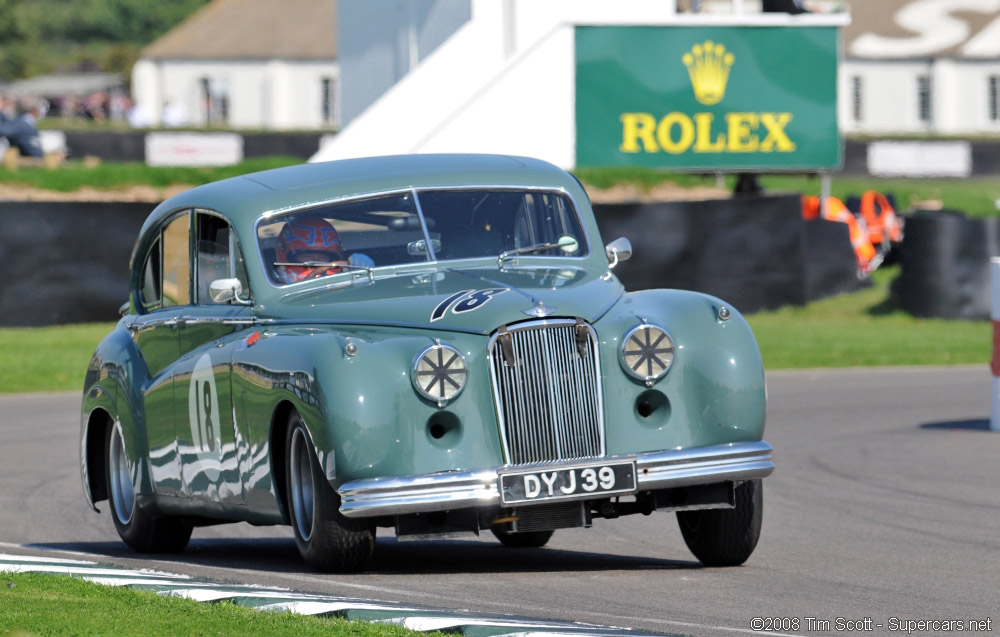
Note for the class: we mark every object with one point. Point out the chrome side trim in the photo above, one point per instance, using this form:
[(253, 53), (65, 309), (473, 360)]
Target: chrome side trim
[(465, 489)]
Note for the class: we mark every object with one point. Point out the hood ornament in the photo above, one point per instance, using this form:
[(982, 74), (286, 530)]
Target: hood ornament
[(540, 310)]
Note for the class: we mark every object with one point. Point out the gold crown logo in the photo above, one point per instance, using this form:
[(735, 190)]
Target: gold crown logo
[(708, 65)]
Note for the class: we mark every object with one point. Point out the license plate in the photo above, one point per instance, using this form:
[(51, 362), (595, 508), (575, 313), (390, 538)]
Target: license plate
[(567, 483)]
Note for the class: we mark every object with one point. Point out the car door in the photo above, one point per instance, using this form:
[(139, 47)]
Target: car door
[(164, 290), (208, 333)]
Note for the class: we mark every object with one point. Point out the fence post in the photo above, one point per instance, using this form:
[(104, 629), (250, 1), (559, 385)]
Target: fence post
[(995, 364)]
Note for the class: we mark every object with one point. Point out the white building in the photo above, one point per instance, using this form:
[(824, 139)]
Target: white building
[(251, 64), (921, 66)]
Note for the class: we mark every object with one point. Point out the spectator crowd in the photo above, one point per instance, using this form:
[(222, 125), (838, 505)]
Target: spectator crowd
[(19, 125)]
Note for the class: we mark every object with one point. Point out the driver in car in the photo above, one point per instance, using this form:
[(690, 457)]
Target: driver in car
[(309, 248)]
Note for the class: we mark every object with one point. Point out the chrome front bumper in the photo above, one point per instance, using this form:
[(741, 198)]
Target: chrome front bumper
[(464, 489)]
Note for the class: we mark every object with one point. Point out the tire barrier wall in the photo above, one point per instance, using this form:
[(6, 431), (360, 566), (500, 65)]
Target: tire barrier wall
[(831, 263), (755, 252), (131, 146), (65, 262), (944, 265)]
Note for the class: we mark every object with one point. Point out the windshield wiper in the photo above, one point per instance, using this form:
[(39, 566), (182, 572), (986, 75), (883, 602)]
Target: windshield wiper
[(563, 242), (331, 264)]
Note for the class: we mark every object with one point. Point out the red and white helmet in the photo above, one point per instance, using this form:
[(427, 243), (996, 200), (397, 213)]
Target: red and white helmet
[(307, 239)]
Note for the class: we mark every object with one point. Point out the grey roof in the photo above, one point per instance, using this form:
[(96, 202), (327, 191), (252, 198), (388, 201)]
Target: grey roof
[(913, 29), (253, 29), (65, 84)]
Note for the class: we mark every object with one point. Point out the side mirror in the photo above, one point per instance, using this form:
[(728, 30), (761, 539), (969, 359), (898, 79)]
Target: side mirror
[(618, 250), (225, 290)]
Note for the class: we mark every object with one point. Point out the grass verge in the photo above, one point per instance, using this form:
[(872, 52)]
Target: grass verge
[(974, 196), (34, 359), (39, 604), (863, 328), (72, 175)]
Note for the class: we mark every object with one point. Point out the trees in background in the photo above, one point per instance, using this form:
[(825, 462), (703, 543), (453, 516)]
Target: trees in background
[(52, 36)]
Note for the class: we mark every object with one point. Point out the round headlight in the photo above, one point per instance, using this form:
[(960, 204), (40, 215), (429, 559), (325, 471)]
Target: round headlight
[(439, 373), (647, 352)]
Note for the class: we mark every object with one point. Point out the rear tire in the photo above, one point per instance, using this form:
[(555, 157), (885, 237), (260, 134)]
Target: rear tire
[(726, 537), (138, 529), (328, 541), (526, 540)]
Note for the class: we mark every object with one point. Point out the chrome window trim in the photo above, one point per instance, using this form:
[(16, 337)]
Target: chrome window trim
[(543, 324), (234, 240), (148, 240), (269, 215)]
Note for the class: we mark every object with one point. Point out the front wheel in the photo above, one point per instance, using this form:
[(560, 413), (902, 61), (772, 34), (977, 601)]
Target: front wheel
[(726, 537), (137, 528), (327, 540)]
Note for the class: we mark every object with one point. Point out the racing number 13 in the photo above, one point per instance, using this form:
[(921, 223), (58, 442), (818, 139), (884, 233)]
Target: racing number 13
[(206, 403)]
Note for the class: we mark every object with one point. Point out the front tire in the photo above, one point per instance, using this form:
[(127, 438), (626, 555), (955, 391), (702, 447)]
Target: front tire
[(327, 540), (142, 532), (726, 537)]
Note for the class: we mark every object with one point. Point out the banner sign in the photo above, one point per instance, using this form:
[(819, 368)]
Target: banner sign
[(193, 149), (713, 98)]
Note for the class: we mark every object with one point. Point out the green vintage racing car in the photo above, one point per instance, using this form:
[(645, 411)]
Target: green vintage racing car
[(427, 343)]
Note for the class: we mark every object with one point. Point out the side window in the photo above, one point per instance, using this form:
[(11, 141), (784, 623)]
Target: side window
[(177, 261), (218, 256), (150, 291)]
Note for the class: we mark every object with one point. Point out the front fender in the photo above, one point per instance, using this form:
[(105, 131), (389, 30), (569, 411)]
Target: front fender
[(363, 415), (714, 392)]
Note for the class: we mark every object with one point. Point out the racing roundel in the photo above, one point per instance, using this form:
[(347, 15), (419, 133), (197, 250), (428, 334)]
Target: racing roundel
[(203, 409)]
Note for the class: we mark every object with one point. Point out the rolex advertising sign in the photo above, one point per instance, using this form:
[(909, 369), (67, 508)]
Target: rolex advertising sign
[(707, 98)]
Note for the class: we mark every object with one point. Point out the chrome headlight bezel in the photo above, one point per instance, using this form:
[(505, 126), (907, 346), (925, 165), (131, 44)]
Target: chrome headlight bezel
[(446, 369), (644, 355)]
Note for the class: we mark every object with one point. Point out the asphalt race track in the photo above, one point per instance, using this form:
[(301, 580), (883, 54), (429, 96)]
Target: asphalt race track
[(885, 505)]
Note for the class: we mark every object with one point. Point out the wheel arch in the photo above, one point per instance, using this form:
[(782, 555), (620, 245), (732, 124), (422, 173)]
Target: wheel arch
[(94, 460), (279, 456)]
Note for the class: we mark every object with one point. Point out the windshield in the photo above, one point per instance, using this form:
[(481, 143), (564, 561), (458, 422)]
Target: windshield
[(387, 230)]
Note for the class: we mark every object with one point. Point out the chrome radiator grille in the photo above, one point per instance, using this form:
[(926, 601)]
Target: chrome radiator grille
[(546, 383)]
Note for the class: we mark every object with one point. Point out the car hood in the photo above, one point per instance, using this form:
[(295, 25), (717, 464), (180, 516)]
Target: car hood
[(474, 300)]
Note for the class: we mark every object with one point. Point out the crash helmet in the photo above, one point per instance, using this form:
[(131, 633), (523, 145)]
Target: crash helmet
[(305, 240)]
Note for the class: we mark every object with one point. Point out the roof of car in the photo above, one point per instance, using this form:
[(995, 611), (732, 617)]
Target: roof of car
[(246, 197)]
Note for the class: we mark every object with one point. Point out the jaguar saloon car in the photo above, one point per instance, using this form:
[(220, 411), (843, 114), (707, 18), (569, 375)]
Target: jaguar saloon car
[(427, 344)]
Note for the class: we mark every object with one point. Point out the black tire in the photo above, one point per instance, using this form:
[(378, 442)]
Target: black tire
[(137, 528), (328, 541), (726, 537), (526, 540)]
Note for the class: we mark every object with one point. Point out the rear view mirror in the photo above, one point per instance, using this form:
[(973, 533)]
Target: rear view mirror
[(618, 250), (419, 248)]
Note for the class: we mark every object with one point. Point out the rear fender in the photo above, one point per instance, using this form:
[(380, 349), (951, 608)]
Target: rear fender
[(112, 396)]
